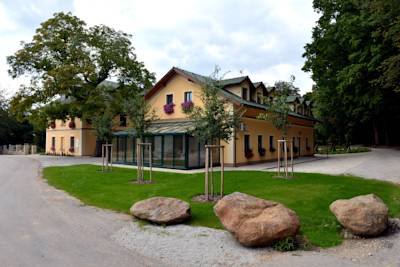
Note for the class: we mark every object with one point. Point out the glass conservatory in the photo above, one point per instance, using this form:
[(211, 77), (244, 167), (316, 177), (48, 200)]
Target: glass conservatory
[(172, 147)]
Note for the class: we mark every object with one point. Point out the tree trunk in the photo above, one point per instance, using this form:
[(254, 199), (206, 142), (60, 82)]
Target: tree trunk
[(376, 132), (387, 141)]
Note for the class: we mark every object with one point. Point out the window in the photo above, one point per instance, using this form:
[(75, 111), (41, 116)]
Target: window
[(307, 142), (170, 99), (53, 142), (271, 142), (188, 96), (260, 142), (244, 93), (246, 142), (72, 142), (122, 120)]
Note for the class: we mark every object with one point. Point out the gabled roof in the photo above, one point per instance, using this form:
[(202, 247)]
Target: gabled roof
[(200, 79), (194, 77)]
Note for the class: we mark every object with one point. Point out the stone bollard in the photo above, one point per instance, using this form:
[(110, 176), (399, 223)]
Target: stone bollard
[(11, 148), (33, 149), (26, 149), (18, 148)]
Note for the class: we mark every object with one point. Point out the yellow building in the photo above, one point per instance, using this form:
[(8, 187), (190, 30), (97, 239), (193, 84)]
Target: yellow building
[(254, 142), (70, 137)]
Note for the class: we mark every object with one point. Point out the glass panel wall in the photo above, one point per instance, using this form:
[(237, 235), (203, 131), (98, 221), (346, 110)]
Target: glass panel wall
[(193, 152), (179, 151), (157, 150), (130, 149), (114, 148), (168, 150), (121, 148)]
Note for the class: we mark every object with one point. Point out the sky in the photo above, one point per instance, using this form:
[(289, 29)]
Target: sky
[(263, 39)]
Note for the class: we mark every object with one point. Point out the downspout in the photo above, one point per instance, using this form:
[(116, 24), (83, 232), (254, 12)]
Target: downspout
[(234, 147)]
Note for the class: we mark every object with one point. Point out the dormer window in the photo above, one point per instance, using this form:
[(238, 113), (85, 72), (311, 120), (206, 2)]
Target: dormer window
[(244, 93)]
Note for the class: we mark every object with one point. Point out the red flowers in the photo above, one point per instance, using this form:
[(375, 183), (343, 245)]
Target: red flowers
[(187, 106), (169, 108)]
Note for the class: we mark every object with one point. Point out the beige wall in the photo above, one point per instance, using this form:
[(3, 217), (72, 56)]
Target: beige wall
[(255, 127), (177, 86), (85, 139), (62, 141)]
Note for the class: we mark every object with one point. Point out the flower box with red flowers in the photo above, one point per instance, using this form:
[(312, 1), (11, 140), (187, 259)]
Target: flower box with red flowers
[(248, 153), (187, 106), (169, 108), (71, 150), (71, 125), (53, 148)]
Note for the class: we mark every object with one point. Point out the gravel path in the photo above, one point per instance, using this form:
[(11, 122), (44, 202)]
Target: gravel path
[(42, 226)]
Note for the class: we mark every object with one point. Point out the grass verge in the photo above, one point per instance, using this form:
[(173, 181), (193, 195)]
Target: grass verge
[(309, 195)]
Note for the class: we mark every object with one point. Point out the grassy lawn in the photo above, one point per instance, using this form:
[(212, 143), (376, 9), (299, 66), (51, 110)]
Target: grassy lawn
[(309, 194)]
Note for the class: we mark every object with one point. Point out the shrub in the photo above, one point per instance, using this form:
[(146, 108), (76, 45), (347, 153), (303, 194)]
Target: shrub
[(287, 244)]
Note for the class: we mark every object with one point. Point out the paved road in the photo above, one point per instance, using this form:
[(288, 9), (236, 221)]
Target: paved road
[(380, 163), (41, 226)]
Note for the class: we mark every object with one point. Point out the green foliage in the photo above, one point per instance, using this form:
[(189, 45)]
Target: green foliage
[(309, 195), (287, 244), (278, 113), (69, 61), (278, 108), (287, 87), (354, 58), (217, 119), (12, 130), (139, 112)]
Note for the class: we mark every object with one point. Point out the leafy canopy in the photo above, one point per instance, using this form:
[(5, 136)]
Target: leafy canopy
[(354, 58), (70, 60)]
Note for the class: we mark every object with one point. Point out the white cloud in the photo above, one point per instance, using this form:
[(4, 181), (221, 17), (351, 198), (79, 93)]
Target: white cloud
[(265, 39)]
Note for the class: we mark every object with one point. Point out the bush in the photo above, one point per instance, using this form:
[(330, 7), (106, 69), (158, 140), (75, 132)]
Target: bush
[(287, 244)]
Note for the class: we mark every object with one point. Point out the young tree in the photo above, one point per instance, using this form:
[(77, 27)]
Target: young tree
[(140, 115), (217, 119), (278, 111)]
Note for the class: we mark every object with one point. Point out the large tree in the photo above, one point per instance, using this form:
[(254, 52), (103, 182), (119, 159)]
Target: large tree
[(354, 58), (68, 60)]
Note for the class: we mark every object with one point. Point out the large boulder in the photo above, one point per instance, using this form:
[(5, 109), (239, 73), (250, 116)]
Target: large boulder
[(254, 221), (365, 215), (161, 210)]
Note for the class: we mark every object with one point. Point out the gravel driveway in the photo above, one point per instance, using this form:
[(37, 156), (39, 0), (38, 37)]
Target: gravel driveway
[(42, 226)]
